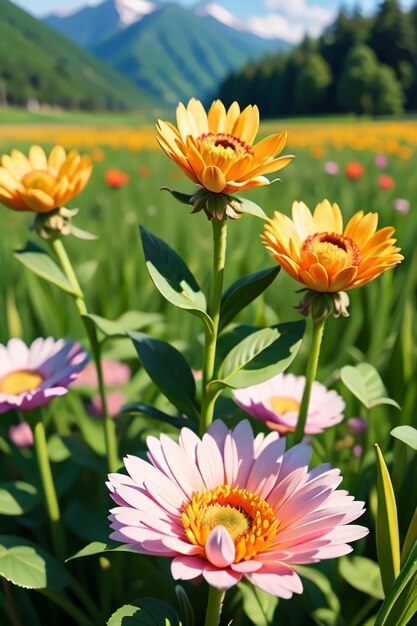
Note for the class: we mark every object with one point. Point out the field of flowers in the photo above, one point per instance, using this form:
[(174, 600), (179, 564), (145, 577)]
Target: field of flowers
[(131, 282)]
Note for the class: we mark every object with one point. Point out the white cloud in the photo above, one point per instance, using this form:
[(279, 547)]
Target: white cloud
[(275, 26)]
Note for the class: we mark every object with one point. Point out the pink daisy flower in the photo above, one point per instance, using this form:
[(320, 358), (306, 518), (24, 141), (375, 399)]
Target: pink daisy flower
[(21, 435), (31, 376), (114, 374), (231, 505), (277, 402)]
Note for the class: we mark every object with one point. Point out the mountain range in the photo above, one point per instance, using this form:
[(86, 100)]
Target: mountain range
[(168, 51)]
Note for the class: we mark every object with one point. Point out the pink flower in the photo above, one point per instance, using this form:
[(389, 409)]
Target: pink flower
[(401, 205), (31, 376), (357, 425), (231, 505), (381, 161), (21, 435), (331, 168), (114, 374), (357, 450), (115, 401), (277, 402)]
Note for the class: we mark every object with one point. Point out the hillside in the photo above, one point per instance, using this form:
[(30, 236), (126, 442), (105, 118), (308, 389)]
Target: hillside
[(38, 63), (174, 54)]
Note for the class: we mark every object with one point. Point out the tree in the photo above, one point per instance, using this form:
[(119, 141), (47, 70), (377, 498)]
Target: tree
[(311, 84), (388, 95), (355, 87)]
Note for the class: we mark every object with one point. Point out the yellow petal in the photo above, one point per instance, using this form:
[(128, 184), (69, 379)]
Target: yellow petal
[(231, 117), (37, 200), (213, 179), (323, 217), (270, 146), (247, 125), (37, 158), (303, 220), (344, 279), (56, 159), (217, 117), (196, 109)]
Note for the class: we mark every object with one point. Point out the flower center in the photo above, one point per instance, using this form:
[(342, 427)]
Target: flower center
[(250, 521), (20, 381), (225, 144), (333, 250), (38, 179), (284, 404)]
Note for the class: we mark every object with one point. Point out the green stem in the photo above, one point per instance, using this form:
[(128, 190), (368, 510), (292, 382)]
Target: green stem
[(313, 359), (48, 486), (109, 426), (219, 257), (62, 600), (214, 606)]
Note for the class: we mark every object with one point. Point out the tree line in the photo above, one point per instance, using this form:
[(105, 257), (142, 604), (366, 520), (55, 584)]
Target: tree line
[(359, 65)]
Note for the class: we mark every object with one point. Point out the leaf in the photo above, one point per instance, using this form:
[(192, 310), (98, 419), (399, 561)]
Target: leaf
[(362, 574), (406, 434), (365, 383), (261, 355), (320, 589), (150, 411), (400, 604), (169, 371), (145, 612), (410, 538), (249, 207), (387, 532), (42, 264), (98, 547), (186, 608), (172, 277), (17, 498), (131, 320), (27, 565), (258, 605), (243, 292)]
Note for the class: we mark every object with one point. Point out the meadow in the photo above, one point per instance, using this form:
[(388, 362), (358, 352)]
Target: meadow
[(113, 274)]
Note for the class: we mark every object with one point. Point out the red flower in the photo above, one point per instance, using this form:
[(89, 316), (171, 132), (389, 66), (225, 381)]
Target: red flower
[(116, 179), (385, 182), (354, 170)]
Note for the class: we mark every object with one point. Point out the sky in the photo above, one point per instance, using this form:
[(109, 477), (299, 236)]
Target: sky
[(287, 19)]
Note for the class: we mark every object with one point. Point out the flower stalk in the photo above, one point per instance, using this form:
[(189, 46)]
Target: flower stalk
[(214, 304), (312, 363), (108, 424), (214, 606)]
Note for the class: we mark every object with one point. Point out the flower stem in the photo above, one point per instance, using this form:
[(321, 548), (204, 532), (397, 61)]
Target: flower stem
[(214, 606), (108, 423), (219, 257), (48, 486), (313, 359)]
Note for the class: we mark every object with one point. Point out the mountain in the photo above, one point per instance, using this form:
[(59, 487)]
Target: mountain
[(38, 63), (174, 53)]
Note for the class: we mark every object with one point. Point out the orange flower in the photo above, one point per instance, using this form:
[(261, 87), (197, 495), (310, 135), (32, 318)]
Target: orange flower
[(385, 182), (39, 183), (216, 150), (116, 179), (354, 170), (316, 250)]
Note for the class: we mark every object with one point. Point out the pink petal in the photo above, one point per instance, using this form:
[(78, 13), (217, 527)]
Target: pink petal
[(187, 567), (219, 547), (221, 578), (277, 579), (210, 462)]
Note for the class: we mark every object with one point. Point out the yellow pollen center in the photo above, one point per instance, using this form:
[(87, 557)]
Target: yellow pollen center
[(333, 251), (39, 179), (20, 381), (284, 404), (225, 144), (250, 521)]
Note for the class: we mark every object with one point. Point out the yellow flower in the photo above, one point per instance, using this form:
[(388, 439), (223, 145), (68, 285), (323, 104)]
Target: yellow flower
[(316, 250), (39, 183), (216, 150)]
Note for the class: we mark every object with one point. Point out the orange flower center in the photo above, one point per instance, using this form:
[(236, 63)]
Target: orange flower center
[(223, 143), (250, 521), (333, 250), (284, 404), (39, 179), (20, 381)]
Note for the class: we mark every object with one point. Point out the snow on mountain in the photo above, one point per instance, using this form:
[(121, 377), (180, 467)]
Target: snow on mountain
[(131, 11), (220, 14)]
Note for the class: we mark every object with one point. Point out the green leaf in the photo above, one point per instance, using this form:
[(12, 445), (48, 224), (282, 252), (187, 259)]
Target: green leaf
[(249, 207), (406, 434), (150, 411), (362, 574), (243, 292), (17, 498), (387, 532), (42, 264), (365, 383), (145, 612), (258, 605), (98, 547), (27, 565), (400, 605), (319, 589), (261, 355), (172, 277), (410, 538), (169, 371), (131, 320), (186, 608)]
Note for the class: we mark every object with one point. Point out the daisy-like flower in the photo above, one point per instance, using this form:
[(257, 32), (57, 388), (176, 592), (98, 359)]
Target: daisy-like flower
[(41, 183), (277, 402), (318, 252), (216, 149), (231, 505), (30, 376)]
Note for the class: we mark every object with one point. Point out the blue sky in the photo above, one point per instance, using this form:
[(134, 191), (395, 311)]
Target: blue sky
[(286, 19)]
